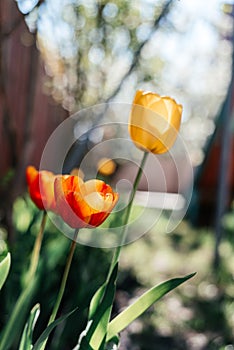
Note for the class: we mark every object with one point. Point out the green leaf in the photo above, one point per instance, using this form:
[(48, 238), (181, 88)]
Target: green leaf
[(102, 316), (4, 269), (142, 304), (113, 344), (96, 299), (43, 337), (26, 340), (83, 346), (97, 327), (15, 324)]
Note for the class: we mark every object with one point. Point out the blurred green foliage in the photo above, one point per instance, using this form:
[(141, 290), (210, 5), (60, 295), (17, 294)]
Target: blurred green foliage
[(85, 276), (198, 315)]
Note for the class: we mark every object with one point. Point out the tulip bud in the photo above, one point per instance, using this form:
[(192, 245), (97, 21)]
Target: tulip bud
[(154, 122)]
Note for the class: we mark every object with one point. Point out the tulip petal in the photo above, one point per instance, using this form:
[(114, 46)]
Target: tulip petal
[(67, 205), (174, 111), (31, 174), (154, 122), (95, 201), (41, 188), (158, 106), (83, 204)]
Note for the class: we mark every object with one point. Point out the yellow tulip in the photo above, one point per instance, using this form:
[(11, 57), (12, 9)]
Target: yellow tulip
[(106, 166), (154, 122)]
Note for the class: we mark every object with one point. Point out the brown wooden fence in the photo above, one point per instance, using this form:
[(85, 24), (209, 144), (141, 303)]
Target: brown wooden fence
[(27, 115)]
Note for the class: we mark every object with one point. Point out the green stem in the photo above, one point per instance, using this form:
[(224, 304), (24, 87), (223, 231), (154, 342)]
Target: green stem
[(63, 284), (116, 255), (100, 308), (64, 281), (13, 327), (36, 250)]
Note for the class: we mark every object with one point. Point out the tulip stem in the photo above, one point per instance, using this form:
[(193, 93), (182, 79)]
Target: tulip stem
[(36, 250), (116, 255), (63, 283), (64, 279)]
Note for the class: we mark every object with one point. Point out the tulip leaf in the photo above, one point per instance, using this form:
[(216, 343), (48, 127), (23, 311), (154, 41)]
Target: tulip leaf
[(4, 269), (43, 337), (82, 342), (113, 343), (97, 327), (84, 345), (142, 304), (96, 300), (26, 340), (17, 318)]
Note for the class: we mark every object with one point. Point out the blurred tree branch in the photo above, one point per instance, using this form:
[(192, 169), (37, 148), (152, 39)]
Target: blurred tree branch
[(137, 53), (79, 149)]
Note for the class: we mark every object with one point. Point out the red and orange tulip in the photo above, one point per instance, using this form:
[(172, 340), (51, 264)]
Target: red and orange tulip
[(41, 188), (83, 204)]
